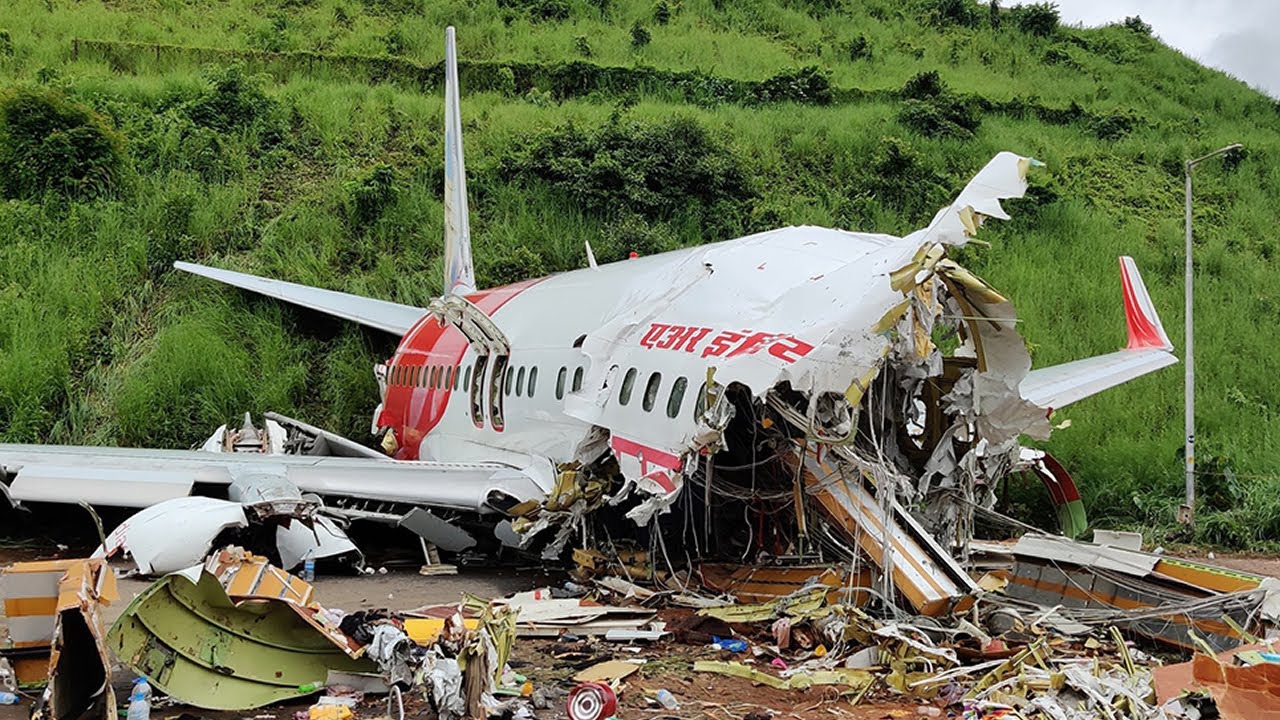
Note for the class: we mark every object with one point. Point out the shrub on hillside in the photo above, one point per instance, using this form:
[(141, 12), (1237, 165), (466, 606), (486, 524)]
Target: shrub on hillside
[(1136, 24), (49, 143), (639, 36), (653, 170), (369, 194), (1040, 19), (942, 13), (1114, 126), (932, 110), (233, 102), (924, 85), (503, 266), (539, 10), (902, 180), (858, 48), (806, 85)]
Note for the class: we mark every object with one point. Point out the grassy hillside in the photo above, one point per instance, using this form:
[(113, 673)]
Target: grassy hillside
[(301, 139)]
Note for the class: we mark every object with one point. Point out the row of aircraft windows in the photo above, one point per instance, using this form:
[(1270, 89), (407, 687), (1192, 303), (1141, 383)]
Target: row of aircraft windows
[(523, 381), (651, 389), (448, 377)]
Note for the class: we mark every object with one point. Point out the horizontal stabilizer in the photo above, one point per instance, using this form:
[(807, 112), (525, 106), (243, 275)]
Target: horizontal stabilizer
[(1148, 350), (387, 316)]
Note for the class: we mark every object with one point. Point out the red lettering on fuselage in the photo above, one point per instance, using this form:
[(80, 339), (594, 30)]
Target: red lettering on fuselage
[(414, 408), (727, 343)]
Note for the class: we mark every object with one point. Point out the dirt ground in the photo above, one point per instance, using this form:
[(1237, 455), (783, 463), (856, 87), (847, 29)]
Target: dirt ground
[(666, 665)]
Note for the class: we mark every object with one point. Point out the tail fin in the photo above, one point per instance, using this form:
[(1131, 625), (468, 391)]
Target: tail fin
[(459, 274), (1149, 350), (1145, 329)]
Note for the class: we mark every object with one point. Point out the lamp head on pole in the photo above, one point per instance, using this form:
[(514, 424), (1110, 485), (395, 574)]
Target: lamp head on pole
[(1220, 151)]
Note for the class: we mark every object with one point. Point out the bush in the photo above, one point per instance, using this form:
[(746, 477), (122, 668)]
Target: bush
[(806, 85), (233, 102), (369, 195), (50, 144), (932, 110), (662, 12), (942, 13), (944, 116), (539, 10), (6, 44), (506, 267), (1136, 24), (923, 86), (639, 35), (1113, 127), (858, 48), (902, 181), (1040, 19), (582, 46), (654, 171)]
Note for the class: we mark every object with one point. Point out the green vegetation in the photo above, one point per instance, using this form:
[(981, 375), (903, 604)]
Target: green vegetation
[(282, 137)]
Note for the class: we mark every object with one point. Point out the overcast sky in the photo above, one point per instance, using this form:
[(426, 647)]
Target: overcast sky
[(1241, 37)]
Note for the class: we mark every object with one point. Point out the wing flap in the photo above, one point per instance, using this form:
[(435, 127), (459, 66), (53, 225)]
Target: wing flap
[(1148, 350), (390, 317)]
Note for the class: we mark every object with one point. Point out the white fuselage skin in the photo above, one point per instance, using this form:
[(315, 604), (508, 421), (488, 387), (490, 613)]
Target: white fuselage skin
[(786, 304)]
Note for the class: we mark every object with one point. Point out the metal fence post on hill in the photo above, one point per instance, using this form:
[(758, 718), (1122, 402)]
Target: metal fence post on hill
[(1186, 514)]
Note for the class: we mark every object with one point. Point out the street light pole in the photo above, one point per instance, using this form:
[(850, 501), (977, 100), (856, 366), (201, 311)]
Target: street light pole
[(1186, 513)]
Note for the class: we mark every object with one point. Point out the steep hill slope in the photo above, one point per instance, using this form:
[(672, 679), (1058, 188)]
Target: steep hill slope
[(301, 139)]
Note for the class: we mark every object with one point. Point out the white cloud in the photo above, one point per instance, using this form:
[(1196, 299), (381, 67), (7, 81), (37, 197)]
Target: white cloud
[(1238, 36)]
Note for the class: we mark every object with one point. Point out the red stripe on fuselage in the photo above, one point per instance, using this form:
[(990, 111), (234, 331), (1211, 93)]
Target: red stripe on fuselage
[(415, 411)]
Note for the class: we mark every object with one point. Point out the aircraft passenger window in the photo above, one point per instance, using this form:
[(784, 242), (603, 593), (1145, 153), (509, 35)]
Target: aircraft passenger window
[(677, 397), (432, 376), (447, 381), (511, 374), (466, 380), (564, 372), (520, 382), (700, 402), (577, 379), (533, 380), (437, 376), (651, 391), (457, 375), (628, 382)]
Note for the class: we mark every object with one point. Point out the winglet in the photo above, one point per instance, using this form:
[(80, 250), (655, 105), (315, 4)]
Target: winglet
[(459, 275), (1145, 329)]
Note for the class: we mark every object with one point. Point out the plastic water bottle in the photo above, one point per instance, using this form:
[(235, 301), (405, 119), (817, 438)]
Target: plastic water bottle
[(309, 569), (667, 700), (8, 698), (140, 700)]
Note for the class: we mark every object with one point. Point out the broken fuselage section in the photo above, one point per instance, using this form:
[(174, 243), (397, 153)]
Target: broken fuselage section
[(786, 394)]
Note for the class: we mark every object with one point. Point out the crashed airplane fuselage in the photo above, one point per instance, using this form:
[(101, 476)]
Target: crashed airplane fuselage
[(757, 367)]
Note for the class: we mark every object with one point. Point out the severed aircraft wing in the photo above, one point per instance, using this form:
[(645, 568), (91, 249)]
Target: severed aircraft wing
[(1148, 350), (134, 477), (387, 316)]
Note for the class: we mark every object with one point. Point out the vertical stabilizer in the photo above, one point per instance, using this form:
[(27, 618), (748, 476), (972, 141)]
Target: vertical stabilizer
[(459, 275)]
